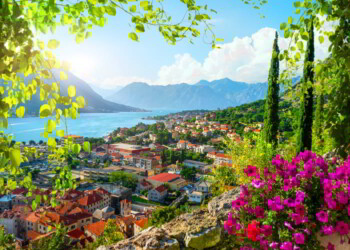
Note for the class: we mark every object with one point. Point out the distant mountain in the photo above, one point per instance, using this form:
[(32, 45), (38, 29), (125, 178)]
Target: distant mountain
[(105, 92), (221, 94), (96, 104)]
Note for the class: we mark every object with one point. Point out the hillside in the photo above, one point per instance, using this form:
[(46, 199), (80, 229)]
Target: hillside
[(221, 94), (96, 104)]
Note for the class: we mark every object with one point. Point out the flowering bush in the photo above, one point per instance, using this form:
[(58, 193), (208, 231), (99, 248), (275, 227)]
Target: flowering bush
[(285, 208)]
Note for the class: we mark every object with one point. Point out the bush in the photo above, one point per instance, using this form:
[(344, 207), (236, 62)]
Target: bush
[(285, 208)]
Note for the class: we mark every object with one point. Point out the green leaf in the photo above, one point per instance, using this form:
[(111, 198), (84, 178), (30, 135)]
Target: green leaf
[(20, 112), (94, 2), (219, 39), (15, 157), (51, 142), (133, 36), (290, 20), (140, 27), (63, 76), (71, 91), (45, 111), (283, 26), (60, 133), (321, 39), (133, 8), (300, 45), (81, 101), (76, 148), (34, 205), (53, 44), (143, 4), (51, 126), (87, 147)]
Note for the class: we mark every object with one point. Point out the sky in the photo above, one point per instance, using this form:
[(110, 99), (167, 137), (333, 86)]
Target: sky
[(109, 58)]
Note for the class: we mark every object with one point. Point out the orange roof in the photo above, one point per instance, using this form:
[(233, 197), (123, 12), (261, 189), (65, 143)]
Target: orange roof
[(32, 235), (96, 228), (182, 141), (101, 154), (125, 201), (33, 217), (89, 199), (101, 190), (212, 153), (223, 156), (142, 223), (128, 156), (164, 177), (76, 234)]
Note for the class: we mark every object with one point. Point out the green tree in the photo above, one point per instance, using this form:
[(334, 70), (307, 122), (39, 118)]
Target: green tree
[(124, 179), (319, 116), (188, 173), (306, 102), (271, 119), (7, 241), (56, 241)]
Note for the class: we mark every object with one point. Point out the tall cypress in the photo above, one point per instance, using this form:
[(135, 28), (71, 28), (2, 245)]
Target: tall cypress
[(271, 118), (306, 101), (319, 116)]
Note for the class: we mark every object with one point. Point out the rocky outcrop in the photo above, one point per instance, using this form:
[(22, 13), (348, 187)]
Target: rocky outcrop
[(199, 230)]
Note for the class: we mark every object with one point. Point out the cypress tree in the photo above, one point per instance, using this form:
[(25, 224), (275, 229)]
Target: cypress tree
[(271, 118), (319, 116), (306, 101)]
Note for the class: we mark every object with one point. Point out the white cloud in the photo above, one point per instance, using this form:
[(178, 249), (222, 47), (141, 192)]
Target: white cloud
[(244, 59)]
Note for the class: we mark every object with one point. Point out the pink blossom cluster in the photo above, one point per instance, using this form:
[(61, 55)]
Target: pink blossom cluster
[(306, 195)]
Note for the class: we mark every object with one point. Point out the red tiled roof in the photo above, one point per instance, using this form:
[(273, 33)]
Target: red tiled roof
[(33, 217), (101, 190), (20, 190), (223, 156), (96, 228), (161, 188), (89, 199), (128, 156), (164, 177), (76, 234), (32, 235), (145, 183), (142, 223)]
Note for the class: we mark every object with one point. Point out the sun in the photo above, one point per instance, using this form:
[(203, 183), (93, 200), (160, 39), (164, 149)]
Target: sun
[(82, 65)]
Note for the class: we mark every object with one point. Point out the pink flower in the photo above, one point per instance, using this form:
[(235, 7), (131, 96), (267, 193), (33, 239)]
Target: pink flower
[(300, 209), (287, 246), (275, 204), (299, 238), (258, 183), (288, 225), (322, 216), (330, 246), (342, 197), (349, 210), (238, 203), (342, 228), (266, 230), (327, 230), (273, 245), (250, 171), (259, 212)]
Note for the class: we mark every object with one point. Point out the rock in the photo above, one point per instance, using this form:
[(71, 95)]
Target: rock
[(151, 238), (205, 239), (221, 205)]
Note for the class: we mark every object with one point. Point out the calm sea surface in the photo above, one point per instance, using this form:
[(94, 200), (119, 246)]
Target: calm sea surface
[(87, 125)]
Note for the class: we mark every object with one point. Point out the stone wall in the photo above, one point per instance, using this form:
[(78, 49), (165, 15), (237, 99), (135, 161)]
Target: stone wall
[(202, 229)]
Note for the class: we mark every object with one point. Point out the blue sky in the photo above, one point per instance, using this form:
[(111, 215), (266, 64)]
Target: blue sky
[(110, 58)]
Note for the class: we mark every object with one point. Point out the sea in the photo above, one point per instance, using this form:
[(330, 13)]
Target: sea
[(87, 124)]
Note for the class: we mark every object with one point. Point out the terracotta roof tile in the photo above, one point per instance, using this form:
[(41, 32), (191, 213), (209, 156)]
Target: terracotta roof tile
[(89, 199), (76, 234), (142, 223), (96, 228), (164, 177), (161, 188)]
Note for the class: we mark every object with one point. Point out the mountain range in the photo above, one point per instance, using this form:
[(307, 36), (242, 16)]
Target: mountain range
[(212, 95), (95, 102)]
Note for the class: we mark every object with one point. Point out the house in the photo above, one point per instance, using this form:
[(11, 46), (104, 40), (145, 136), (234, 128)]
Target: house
[(196, 197), (139, 225), (159, 169), (203, 187), (222, 159), (6, 202), (174, 181), (143, 162), (143, 185), (96, 229), (101, 156), (104, 213), (91, 202), (182, 144), (11, 220), (126, 225), (194, 164), (158, 194), (125, 208), (175, 135), (70, 195), (153, 137), (202, 149)]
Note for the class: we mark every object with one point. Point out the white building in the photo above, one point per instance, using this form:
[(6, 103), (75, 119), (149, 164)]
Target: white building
[(196, 197)]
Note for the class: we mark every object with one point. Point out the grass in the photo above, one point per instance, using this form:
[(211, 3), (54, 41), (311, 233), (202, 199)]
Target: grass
[(141, 200)]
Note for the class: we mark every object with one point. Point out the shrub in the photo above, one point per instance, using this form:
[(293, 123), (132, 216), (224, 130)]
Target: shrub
[(285, 208)]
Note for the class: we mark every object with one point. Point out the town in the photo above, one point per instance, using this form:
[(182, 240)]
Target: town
[(127, 175)]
